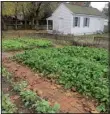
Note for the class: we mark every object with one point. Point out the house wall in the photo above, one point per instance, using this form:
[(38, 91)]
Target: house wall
[(96, 23), (59, 24), (65, 25)]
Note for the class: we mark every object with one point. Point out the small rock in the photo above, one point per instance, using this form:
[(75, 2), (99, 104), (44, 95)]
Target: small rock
[(16, 69), (94, 111), (29, 87), (39, 92), (50, 103), (58, 86), (18, 66), (24, 75), (46, 98), (53, 87), (91, 106), (35, 89), (68, 94), (36, 75), (87, 109), (53, 81), (73, 89)]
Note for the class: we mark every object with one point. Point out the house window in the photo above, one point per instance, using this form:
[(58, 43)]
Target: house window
[(86, 22), (76, 21), (50, 24)]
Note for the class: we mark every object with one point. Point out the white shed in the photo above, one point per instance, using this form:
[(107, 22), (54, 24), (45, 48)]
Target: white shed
[(74, 19)]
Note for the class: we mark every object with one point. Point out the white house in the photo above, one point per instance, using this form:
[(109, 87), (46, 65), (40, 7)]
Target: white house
[(74, 19)]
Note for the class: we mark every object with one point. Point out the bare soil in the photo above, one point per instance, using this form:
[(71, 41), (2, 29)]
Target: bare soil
[(70, 101)]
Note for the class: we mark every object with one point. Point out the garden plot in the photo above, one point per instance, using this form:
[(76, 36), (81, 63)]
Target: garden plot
[(80, 67), (24, 43), (30, 99)]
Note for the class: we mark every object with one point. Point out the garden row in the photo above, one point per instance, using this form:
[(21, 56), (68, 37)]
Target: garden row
[(7, 105), (24, 43), (80, 67), (31, 99)]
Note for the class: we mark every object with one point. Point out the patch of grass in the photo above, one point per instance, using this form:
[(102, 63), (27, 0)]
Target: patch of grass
[(24, 43)]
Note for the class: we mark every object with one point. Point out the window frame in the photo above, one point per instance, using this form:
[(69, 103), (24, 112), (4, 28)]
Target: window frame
[(50, 25), (86, 22), (74, 21)]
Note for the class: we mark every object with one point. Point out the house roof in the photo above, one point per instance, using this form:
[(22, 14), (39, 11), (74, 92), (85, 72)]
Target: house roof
[(83, 10)]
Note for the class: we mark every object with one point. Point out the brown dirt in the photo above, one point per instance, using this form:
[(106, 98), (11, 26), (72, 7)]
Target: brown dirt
[(20, 33), (14, 97), (69, 101)]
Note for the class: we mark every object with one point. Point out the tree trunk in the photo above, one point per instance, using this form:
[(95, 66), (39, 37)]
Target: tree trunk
[(32, 23), (16, 12), (37, 25), (3, 24), (25, 24), (16, 23)]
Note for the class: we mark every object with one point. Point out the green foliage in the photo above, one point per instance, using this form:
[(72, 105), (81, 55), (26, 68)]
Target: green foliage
[(24, 43), (101, 108), (8, 8), (44, 107), (6, 74), (35, 42), (12, 45), (7, 105), (81, 67), (13, 8), (20, 86), (29, 97)]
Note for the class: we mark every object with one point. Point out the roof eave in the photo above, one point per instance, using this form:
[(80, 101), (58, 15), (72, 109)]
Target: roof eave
[(87, 14)]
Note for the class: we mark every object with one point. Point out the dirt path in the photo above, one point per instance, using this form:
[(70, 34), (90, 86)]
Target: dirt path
[(15, 98), (11, 53), (69, 101)]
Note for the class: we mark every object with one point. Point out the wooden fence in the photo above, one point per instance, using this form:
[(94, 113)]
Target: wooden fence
[(94, 41)]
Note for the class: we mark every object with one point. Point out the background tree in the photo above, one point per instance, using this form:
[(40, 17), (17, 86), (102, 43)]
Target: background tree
[(49, 8), (25, 11), (10, 9), (105, 10), (7, 10), (33, 11)]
